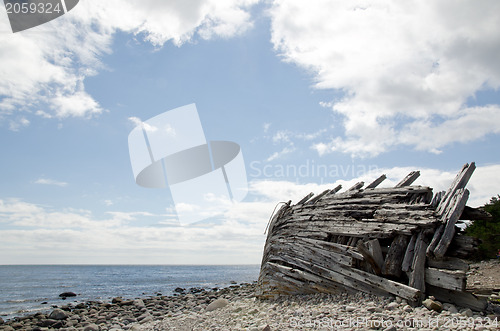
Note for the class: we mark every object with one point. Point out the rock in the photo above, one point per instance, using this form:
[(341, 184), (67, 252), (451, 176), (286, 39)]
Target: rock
[(58, 314), (117, 300), (350, 309), (180, 290), (451, 308), (1, 321), (91, 327), (7, 328), (46, 323), (219, 303), (467, 312), (267, 328), (146, 319), (392, 305), (390, 328), (433, 305), (139, 303), (67, 295)]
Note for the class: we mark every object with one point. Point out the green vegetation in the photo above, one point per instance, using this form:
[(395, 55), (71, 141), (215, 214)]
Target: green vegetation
[(487, 231)]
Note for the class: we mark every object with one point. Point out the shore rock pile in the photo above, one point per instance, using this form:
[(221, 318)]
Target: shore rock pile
[(127, 314)]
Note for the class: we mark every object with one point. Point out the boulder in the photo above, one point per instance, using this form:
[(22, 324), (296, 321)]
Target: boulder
[(67, 295), (179, 290), (91, 327), (58, 314), (433, 305), (216, 304)]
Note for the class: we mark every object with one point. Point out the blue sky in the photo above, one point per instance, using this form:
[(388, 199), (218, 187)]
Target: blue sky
[(359, 88)]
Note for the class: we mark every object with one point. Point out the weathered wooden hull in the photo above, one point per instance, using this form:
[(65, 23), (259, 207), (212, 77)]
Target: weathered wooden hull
[(383, 241)]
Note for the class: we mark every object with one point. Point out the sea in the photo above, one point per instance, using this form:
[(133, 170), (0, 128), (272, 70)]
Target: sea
[(28, 289)]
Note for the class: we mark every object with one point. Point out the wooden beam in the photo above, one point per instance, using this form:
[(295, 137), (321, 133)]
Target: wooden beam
[(375, 250), (449, 231), (458, 183), (410, 252), (475, 214), (417, 275), (369, 258), (316, 198), (394, 258), (304, 199), (448, 279), (459, 298), (409, 179), (449, 263), (376, 182), (356, 186)]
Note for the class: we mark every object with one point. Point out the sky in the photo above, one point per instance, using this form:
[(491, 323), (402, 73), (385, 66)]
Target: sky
[(316, 94)]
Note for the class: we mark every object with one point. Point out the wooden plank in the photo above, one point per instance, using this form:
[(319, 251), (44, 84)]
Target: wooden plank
[(475, 214), (410, 252), (356, 186), (437, 199), (417, 275), (449, 263), (375, 250), (448, 279), (376, 182), (394, 258), (435, 240), (459, 298), (316, 198), (346, 250), (304, 199), (409, 179), (360, 279), (449, 230), (350, 228), (335, 190), (369, 258), (458, 183)]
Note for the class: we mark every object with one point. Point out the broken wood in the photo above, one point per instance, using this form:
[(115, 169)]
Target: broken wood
[(395, 256), (375, 240)]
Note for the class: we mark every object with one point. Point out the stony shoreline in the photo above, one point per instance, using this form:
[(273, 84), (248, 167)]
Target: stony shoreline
[(235, 308)]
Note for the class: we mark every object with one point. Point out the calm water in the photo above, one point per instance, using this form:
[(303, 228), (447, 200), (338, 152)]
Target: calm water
[(23, 289)]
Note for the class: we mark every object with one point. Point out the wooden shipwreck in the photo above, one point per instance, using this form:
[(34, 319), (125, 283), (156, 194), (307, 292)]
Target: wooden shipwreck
[(399, 241)]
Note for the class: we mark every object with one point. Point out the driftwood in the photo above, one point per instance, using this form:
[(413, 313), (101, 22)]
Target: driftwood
[(398, 241)]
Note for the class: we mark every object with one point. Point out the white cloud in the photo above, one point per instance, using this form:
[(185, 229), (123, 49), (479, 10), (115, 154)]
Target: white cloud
[(46, 66), (15, 125), (48, 181), (284, 151), (406, 69)]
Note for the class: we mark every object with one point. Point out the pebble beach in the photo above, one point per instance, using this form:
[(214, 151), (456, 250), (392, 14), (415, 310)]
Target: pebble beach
[(236, 308)]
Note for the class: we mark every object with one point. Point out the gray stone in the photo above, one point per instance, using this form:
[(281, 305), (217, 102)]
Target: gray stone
[(467, 312), (67, 295), (219, 303), (58, 314), (139, 303), (392, 305), (92, 327), (433, 305), (147, 319), (451, 308)]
